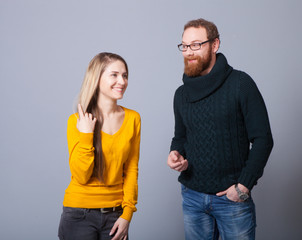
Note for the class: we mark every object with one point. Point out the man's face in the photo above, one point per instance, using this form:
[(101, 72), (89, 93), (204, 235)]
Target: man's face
[(198, 62)]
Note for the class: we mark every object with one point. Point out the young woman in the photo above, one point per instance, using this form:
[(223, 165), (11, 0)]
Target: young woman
[(103, 142)]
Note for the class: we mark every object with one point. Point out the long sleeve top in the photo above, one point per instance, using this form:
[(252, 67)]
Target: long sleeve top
[(222, 129), (120, 155)]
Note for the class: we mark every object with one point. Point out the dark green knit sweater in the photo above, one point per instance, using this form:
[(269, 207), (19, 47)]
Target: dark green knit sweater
[(222, 129)]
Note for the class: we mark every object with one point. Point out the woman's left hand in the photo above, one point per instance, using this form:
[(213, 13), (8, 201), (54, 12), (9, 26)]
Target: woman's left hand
[(120, 228)]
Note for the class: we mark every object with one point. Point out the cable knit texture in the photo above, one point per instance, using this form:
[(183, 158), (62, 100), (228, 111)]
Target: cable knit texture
[(217, 118)]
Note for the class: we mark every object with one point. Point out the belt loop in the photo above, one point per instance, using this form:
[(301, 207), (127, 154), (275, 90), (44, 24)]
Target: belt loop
[(104, 211)]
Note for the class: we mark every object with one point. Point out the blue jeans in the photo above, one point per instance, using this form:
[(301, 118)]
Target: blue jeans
[(208, 216), (86, 224)]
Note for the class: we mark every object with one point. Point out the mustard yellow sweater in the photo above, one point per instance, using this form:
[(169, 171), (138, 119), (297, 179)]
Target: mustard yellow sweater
[(120, 156)]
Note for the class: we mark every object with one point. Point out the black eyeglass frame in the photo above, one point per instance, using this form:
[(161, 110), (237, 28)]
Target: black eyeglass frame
[(189, 45)]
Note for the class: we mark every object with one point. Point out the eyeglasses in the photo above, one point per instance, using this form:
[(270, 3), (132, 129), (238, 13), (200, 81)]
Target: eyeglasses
[(193, 46)]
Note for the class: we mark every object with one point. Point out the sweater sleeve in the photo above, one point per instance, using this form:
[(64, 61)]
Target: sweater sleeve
[(81, 152), (130, 186), (179, 138), (258, 130)]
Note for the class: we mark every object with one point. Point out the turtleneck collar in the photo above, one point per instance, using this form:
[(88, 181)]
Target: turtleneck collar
[(197, 88)]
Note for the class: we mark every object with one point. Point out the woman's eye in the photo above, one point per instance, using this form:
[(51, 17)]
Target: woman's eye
[(114, 75)]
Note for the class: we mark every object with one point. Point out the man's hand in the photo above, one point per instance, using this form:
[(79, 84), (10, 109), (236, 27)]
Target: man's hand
[(177, 162), (120, 229), (232, 194)]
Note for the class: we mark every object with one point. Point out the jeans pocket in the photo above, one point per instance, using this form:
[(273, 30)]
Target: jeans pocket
[(73, 214), (239, 202)]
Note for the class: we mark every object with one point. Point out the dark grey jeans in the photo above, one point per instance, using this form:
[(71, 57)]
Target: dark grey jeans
[(86, 224)]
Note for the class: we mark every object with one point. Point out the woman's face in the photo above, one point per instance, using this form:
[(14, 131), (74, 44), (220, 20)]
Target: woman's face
[(114, 81)]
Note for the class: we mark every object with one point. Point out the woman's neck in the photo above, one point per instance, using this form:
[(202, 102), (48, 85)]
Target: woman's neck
[(108, 106)]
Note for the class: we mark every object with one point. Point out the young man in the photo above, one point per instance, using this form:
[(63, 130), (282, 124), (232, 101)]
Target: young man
[(222, 139)]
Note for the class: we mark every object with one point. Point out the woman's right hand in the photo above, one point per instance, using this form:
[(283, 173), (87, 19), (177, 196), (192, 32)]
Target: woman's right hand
[(86, 121)]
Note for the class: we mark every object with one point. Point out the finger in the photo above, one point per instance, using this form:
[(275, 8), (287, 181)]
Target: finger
[(171, 160), (184, 166), (180, 167), (117, 235), (184, 161), (221, 193), (90, 116), (113, 229), (175, 166), (125, 238), (174, 155), (80, 111)]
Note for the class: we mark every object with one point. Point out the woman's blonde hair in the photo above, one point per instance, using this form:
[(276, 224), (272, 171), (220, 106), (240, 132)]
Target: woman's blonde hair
[(88, 98)]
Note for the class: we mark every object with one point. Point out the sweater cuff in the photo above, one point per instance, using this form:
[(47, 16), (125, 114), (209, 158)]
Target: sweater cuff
[(248, 180), (127, 213), (86, 139)]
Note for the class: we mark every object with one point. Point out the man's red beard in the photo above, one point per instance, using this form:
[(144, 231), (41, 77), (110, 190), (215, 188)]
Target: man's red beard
[(196, 69)]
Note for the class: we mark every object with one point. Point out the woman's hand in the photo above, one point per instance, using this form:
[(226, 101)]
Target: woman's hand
[(120, 229), (86, 121)]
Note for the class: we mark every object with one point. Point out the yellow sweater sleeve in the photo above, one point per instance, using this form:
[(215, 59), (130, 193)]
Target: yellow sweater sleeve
[(81, 151), (130, 187)]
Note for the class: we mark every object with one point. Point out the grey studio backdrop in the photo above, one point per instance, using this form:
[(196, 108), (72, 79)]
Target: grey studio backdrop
[(45, 49)]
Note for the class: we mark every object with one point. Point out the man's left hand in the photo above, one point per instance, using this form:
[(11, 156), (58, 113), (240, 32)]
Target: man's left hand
[(232, 194)]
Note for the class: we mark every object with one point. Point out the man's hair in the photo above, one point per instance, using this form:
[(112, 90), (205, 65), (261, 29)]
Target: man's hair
[(210, 27)]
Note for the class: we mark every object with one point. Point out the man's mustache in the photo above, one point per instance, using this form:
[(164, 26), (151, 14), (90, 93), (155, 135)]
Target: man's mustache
[(194, 58)]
